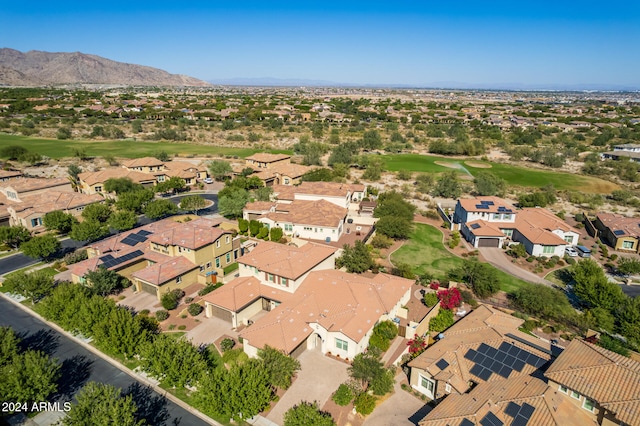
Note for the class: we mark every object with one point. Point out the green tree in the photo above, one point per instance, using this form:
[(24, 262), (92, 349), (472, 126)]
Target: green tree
[(173, 184), (29, 377), (121, 185), (73, 174), (13, 152), (275, 234), (8, 345), (368, 369), (103, 281), (42, 246), (63, 133), (442, 321), (489, 184), (34, 285), (120, 333), (542, 301), (375, 167), (157, 209), (393, 203), (58, 221), (97, 212), (280, 367), (162, 155), (263, 193), (14, 236), (101, 404), (122, 220), (394, 227), (135, 201), (629, 266), (89, 230), (193, 203), (593, 288), (356, 259), (231, 205), (371, 140), (448, 186), (481, 277), (307, 414), (220, 169)]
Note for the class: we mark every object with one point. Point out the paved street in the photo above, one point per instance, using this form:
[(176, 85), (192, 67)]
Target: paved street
[(80, 366), (212, 209)]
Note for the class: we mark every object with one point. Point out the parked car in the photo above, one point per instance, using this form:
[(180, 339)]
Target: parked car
[(570, 251), (583, 251), (208, 180)]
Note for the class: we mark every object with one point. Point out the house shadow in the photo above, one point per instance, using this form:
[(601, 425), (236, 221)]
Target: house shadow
[(45, 341), (151, 407), (74, 373)]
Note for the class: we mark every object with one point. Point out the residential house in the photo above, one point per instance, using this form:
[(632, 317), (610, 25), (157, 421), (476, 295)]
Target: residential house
[(523, 400), (16, 189), (276, 169), (620, 232), (93, 182), (600, 382), (7, 175), (484, 346), (263, 160), (340, 194), (490, 221), (627, 151), (145, 164), (268, 275), (163, 255)]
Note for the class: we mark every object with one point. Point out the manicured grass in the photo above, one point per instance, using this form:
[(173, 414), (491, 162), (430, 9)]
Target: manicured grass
[(175, 334), (230, 268), (35, 265), (185, 396), (54, 148), (514, 175), (425, 252)]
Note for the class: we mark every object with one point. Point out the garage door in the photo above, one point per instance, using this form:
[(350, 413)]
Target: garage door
[(489, 242), (217, 312), (148, 288)]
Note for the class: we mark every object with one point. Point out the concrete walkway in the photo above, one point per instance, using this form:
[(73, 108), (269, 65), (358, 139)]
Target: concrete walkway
[(400, 409), (397, 347), (497, 258), (318, 378)]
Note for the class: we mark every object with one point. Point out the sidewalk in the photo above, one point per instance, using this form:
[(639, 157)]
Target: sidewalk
[(395, 351)]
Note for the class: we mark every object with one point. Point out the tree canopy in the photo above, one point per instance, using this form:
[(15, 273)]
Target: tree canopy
[(41, 246), (357, 258)]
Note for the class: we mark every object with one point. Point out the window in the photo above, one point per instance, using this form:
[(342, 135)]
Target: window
[(575, 394), (506, 217), (228, 257), (427, 386), (226, 240), (217, 262), (288, 227), (563, 389), (568, 239), (286, 181), (496, 216), (208, 265), (548, 249), (284, 281), (201, 268), (447, 388), (271, 278), (218, 243), (342, 344), (508, 232), (35, 222), (178, 279), (588, 404), (627, 245), (98, 188)]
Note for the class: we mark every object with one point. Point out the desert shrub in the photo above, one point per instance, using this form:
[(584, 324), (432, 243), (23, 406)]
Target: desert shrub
[(467, 297), (75, 257), (343, 396), (208, 289), (194, 309), (227, 344), (178, 292), (381, 241), (182, 327), (365, 403), (169, 301), (162, 315), (188, 299), (144, 312)]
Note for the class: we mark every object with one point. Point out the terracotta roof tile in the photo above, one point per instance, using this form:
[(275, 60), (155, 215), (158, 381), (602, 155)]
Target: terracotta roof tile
[(34, 184), (192, 235), (162, 272), (143, 162), (630, 225), (241, 291), (314, 213), (265, 157), (91, 178)]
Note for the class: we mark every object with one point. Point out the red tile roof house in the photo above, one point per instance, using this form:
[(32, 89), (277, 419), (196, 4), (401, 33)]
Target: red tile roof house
[(314, 307), (489, 221), (163, 255)]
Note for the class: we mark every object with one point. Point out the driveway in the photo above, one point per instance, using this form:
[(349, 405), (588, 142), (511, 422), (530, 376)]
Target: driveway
[(318, 378), (209, 330), (400, 409), (497, 258)]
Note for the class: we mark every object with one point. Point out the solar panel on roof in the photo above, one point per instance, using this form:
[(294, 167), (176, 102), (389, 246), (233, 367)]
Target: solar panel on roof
[(505, 371), (466, 422), (114, 262), (129, 241), (475, 226), (519, 421), (518, 365), (144, 232), (528, 343), (485, 374), (476, 370), (512, 409), (491, 420), (442, 364), (527, 410), (486, 202), (508, 360), (106, 258), (618, 232), (482, 206), (470, 355), (492, 352)]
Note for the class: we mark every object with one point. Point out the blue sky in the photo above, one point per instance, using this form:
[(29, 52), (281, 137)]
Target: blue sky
[(395, 42)]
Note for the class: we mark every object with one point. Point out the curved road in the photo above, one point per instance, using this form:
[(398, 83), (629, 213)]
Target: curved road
[(80, 366), (212, 209)]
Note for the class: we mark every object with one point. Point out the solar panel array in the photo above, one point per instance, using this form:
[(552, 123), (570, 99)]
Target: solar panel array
[(467, 422), (491, 420), (442, 364), (618, 232), (144, 232), (521, 414), (133, 239), (109, 261), (502, 361), (503, 209), (475, 226), (482, 206), (488, 203)]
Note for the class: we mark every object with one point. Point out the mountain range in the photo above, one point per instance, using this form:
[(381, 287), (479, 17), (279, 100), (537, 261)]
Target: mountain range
[(36, 68)]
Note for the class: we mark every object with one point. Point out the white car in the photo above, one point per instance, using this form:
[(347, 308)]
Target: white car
[(570, 251), (207, 180)]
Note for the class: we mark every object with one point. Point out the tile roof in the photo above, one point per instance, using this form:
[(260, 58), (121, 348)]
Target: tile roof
[(504, 399), (630, 225), (160, 273), (330, 189), (53, 200), (286, 261), (314, 213), (469, 204), (610, 379), (336, 300), (481, 329), (259, 206), (34, 184), (91, 178), (143, 162), (242, 291), (184, 165), (114, 244), (192, 235), (9, 173), (537, 224), (265, 157), (481, 228), (292, 170)]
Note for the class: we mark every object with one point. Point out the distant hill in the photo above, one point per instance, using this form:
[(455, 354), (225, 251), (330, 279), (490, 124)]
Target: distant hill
[(36, 68)]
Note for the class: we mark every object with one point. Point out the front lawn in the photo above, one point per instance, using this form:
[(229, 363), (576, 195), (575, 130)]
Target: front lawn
[(424, 251)]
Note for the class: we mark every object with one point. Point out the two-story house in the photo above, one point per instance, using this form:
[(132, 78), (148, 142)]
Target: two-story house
[(93, 182), (620, 232)]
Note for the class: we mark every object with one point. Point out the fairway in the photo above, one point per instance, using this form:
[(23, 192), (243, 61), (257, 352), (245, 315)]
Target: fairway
[(424, 251), (54, 148), (514, 175)]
